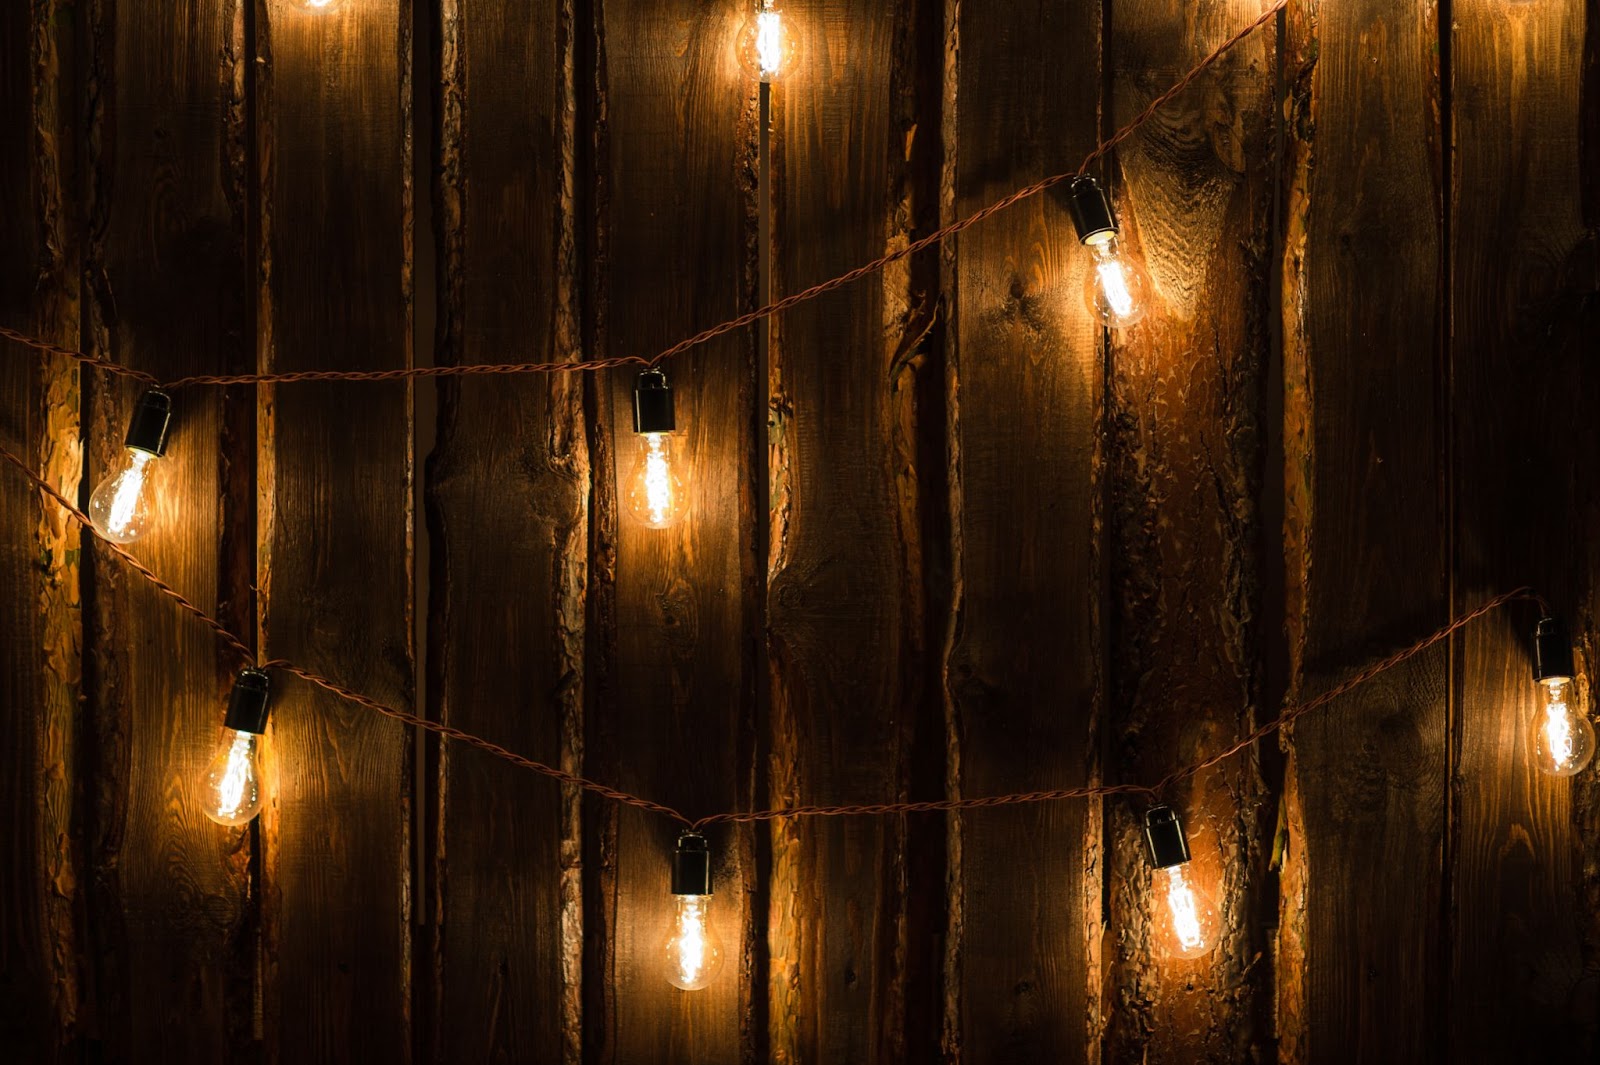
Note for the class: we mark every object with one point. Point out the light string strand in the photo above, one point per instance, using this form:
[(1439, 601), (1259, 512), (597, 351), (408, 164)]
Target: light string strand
[(749, 318), (1288, 715)]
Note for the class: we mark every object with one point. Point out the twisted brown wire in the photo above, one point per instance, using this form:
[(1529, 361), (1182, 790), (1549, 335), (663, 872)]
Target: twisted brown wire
[(749, 318), (1288, 715)]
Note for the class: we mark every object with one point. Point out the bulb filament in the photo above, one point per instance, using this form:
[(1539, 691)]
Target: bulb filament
[(125, 503), (769, 49), (231, 788), (691, 941), (657, 481)]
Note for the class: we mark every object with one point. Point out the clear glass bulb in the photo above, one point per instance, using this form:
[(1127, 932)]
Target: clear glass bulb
[(694, 952), (231, 794), (1189, 921), (120, 505), (656, 489), (1563, 737), (1116, 288), (764, 47)]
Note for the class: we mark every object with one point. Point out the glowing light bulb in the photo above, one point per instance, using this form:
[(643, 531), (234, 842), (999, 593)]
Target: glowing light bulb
[(764, 47), (318, 5), (693, 949), (1185, 918), (1563, 738), (656, 488), (120, 506), (231, 790), (1116, 289)]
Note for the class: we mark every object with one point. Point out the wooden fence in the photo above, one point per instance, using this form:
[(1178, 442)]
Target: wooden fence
[(947, 537)]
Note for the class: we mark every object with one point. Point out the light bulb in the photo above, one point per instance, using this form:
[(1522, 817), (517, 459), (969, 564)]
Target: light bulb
[(694, 952), (764, 47), (120, 506), (693, 949), (1563, 738), (231, 791), (1184, 916), (318, 5), (656, 487), (1190, 919), (1116, 289)]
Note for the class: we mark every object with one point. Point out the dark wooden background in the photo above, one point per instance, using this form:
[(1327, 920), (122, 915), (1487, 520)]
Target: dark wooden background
[(947, 537)]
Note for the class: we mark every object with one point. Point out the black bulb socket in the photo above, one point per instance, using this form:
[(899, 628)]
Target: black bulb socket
[(1091, 211), (1164, 831), (691, 866), (247, 706), (152, 416), (1552, 651), (652, 404)]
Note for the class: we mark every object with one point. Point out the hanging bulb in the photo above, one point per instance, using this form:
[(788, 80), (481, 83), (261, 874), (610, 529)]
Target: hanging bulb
[(1186, 919), (764, 47), (1116, 289), (657, 491), (694, 952), (1563, 737), (120, 505), (231, 793)]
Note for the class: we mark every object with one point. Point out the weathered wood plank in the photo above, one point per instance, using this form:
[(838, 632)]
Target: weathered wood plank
[(171, 916), (677, 608), (1184, 459), (1525, 461), (41, 993), (508, 495), (335, 526), (1022, 668), (845, 609), (1360, 965)]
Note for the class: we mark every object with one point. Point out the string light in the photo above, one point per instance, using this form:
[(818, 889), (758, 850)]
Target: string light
[(1115, 289), (120, 505), (1563, 739), (1189, 927), (694, 952), (232, 787), (657, 494), (764, 46)]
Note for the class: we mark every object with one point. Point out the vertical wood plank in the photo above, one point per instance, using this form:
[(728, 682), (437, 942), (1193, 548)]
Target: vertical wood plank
[(1360, 960), (335, 526), (508, 495), (1184, 456), (41, 993), (1525, 461), (845, 630), (167, 281), (676, 608), (1022, 668)]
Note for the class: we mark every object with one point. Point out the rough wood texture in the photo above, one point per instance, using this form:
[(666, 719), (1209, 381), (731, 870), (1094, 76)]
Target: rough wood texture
[(1526, 458), (335, 527), (845, 634), (508, 494), (166, 276), (1361, 962), (41, 992), (1022, 670), (1184, 460), (673, 703)]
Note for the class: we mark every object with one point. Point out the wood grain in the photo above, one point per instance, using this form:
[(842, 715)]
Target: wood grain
[(1361, 946), (1023, 667), (41, 990), (1184, 454), (508, 498), (845, 631), (1525, 461), (673, 704), (167, 281), (335, 526)]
